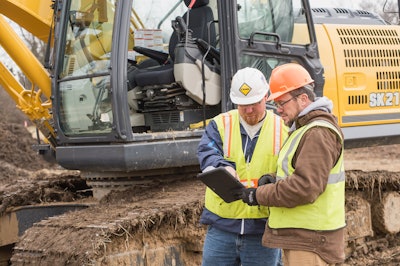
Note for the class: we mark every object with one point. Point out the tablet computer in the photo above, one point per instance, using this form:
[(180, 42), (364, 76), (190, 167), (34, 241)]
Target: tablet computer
[(223, 183)]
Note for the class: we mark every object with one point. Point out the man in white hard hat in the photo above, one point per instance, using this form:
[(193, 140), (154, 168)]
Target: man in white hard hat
[(246, 141)]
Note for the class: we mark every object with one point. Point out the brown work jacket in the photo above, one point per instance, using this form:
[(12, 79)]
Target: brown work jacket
[(304, 186)]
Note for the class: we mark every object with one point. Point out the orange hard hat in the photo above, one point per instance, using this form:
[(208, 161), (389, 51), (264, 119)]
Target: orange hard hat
[(286, 78)]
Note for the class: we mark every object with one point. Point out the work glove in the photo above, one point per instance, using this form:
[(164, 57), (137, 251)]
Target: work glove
[(249, 196), (266, 179), (238, 194)]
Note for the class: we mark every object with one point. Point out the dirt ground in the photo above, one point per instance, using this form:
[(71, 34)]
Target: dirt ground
[(144, 221)]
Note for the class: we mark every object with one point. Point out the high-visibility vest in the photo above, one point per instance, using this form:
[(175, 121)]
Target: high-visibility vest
[(327, 212), (264, 160)]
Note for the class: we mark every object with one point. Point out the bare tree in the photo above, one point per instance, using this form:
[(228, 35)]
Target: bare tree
[(391, 11), (387, 9)]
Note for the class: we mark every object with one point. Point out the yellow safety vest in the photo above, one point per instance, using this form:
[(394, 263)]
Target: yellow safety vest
[(327, 211), (264, 160)]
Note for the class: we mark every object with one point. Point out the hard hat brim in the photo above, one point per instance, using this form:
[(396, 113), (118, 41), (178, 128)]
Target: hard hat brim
[(275, 95), (246, 101)]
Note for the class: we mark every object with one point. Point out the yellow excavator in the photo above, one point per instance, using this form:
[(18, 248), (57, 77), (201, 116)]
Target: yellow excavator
[(126, 87)]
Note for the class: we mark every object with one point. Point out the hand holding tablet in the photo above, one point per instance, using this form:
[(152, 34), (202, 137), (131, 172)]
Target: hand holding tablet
[(223, 183)]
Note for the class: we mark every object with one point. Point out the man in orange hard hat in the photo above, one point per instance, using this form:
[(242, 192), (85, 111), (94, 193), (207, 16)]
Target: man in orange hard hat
[(307, 214), (246, 141)]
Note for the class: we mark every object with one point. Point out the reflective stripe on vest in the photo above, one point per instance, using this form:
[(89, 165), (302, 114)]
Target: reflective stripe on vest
[(264, 160), (327, 212)]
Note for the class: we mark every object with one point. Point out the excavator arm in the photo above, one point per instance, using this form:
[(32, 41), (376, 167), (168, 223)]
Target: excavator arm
[(35, 17)]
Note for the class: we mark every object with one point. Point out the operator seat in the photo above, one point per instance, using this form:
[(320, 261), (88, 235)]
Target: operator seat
[(199, 18)]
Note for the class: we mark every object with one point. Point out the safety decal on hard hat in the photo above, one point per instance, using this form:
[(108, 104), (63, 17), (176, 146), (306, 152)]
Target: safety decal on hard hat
[(245, 89)]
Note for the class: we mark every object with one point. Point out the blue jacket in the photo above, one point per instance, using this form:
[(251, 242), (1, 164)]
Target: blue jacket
[(210, 153)]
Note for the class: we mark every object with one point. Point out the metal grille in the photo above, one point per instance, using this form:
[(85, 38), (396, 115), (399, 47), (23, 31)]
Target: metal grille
[(165, 118), (381, 53), (368, 36), (357, 99), (372, 57), (388, 80)]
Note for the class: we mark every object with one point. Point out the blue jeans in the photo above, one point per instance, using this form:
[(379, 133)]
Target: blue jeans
[(229, 249)]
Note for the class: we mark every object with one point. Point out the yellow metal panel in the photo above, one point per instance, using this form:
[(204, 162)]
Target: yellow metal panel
[(328, 61), (365, 60), (301, 36), (9, 83), (33, 15)]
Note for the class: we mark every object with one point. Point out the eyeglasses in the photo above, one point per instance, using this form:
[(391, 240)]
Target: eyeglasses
[(280, 105)]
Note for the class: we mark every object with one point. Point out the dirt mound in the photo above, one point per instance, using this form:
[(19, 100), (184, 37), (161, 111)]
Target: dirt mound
[(39, 187), (26, 178), (16, 149), (385, 158), (151, 226)]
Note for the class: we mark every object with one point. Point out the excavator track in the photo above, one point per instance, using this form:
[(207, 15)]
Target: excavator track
[(145, 225)]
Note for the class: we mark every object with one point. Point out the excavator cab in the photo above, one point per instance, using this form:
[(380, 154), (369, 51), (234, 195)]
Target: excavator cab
[(184, 87), (109, 102)]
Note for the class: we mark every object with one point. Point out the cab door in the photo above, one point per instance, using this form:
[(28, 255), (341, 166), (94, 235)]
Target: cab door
[(266, 34)]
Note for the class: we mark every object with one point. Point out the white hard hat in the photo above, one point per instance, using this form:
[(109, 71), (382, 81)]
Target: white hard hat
[(248, 86)]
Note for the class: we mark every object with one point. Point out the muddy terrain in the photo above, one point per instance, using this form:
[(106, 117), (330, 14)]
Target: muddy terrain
[(149, 224)]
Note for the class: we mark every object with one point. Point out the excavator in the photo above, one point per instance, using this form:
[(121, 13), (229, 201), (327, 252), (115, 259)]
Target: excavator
[(126, 87)]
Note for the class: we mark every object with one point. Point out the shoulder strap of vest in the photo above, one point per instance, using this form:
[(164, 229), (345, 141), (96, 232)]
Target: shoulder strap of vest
[(227, 121), (325, 124), (278, 132)]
